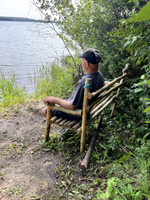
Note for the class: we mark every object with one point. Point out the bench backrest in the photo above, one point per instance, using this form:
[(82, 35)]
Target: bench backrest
[(102, 97)]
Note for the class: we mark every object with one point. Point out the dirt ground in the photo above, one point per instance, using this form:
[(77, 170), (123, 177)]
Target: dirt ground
[(26, 170)]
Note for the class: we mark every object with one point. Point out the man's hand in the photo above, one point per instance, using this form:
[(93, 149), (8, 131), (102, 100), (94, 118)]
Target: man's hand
[(49, 100), (61, 102)]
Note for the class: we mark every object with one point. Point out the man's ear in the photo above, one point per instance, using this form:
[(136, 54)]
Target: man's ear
[(87, 64)]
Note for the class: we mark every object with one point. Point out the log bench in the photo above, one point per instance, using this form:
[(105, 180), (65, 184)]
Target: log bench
[(102, 98)]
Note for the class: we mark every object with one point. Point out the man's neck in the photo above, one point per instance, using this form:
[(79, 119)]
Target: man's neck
[(91, 71)]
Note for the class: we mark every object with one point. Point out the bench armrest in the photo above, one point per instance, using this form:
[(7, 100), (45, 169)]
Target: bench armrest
[(59, 108)]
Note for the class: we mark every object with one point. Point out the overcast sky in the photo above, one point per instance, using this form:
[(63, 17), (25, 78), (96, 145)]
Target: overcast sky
[(19, 8)]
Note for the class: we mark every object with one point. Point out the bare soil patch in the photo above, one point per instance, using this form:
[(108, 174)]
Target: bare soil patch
[(26, 170)]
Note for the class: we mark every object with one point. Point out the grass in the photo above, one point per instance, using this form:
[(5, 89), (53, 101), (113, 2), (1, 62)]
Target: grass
[(51, 80), (10, 93), (54, 81)]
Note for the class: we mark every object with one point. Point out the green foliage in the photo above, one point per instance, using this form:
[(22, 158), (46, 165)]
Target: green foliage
[(138, 45), (144, 86), (129, 180), (90, 24), (143, 14), (55, 81), (10, 93)]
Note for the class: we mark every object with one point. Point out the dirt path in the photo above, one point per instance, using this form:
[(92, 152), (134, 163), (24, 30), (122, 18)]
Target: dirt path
[(26, 171)]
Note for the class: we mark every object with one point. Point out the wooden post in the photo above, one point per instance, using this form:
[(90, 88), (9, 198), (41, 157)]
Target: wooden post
[(84, 114), (87, 157), (47, 129)]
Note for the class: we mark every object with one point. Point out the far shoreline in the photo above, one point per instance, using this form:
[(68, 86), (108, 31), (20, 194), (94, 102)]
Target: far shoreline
[(21, 19)]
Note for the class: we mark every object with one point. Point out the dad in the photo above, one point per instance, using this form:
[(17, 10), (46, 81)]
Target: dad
[(90, 62)]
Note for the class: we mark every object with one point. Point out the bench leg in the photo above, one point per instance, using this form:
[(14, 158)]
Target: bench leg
[(87, 157), (82, 143), (113, 109), (83, 133), (47, 128)]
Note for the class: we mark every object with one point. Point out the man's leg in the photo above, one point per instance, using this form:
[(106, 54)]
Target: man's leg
[(44, 111)]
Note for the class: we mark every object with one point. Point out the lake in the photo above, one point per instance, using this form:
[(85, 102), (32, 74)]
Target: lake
[(25, 47)]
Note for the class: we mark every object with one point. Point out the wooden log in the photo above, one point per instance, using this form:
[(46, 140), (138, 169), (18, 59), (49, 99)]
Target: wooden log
[(79, 130), (73, 112), (100, 105), (58, 120), (95, 103), (63, 122), (87, 157), (100, 110), (47, 129), (106, 82), (71, 124), (53, 119), (84, 116), (125, 70), (110, 90), (103, 96), (67, 122), (76, 126)]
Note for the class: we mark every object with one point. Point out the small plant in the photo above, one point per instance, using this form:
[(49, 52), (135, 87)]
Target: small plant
[(14, 191)]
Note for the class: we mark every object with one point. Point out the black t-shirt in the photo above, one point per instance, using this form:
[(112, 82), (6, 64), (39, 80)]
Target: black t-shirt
[(97, 81)]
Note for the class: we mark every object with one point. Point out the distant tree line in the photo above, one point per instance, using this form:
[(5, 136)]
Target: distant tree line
[(22, 19)]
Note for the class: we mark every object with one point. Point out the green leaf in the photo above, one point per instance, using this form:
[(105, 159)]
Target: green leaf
[(147, 122), (147, 109), (143, 14), (124, 158), (127, 43), (143, 76), (148, 81)]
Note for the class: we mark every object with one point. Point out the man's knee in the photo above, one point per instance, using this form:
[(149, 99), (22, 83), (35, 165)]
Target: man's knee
[(44, 112)]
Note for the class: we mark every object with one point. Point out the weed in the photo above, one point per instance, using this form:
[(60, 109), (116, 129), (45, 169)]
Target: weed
[(14, 191), (3, 134), (12, 146)]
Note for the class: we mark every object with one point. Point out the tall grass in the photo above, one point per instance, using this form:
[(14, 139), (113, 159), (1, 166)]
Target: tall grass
[(10, 93), (51, 80), (55, 81)]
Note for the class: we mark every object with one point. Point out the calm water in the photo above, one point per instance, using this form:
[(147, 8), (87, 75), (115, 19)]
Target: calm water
[(25, 46)]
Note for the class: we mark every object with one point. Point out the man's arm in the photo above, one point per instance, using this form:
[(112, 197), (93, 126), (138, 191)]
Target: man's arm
[(63, 103)]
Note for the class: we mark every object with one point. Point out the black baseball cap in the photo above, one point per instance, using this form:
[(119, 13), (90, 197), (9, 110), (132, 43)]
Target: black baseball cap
[(91, 55)]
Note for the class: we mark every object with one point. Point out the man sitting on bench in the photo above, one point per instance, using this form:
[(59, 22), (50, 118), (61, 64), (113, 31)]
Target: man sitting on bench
[(90, 62)]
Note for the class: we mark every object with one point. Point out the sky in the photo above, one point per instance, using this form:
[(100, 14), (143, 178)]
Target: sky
[(19, 8)]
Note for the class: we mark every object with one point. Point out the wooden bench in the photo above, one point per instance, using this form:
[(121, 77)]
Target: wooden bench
[(104, 96)]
